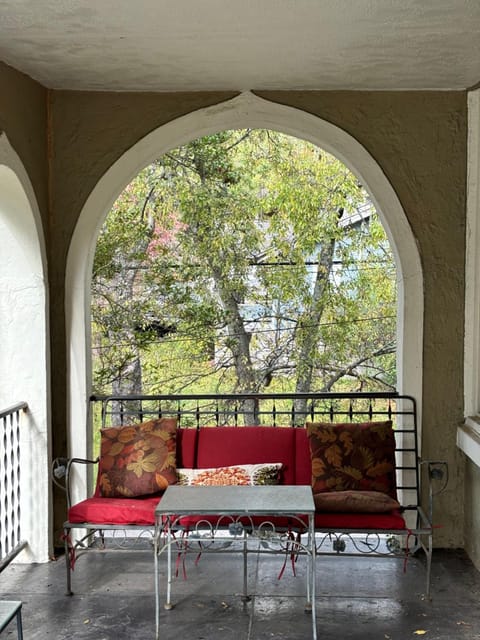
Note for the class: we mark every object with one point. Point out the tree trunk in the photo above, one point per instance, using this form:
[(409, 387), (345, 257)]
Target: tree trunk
[(128, 380), (239, 345), (308, 330)]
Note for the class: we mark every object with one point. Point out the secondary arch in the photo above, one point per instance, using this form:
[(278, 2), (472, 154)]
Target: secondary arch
[(246, 110), (24, 366)]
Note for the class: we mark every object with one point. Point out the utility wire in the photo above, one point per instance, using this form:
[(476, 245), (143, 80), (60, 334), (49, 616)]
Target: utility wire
[(189, 338)]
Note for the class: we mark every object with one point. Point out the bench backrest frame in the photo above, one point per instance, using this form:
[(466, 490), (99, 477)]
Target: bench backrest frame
[(280, 410)]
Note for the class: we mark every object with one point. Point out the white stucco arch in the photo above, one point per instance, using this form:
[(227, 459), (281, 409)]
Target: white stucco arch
[(24, 363), (246, 110)]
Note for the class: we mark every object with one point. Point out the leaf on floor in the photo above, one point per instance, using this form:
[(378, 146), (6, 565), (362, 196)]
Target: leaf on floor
[(420, 632)]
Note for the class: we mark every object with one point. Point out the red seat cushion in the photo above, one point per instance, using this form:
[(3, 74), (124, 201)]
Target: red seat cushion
[(334, 521), (374, 521), (115, 511), (264, 523)]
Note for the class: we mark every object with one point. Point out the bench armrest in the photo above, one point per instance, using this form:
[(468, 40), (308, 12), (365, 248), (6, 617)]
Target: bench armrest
[(61, 473)]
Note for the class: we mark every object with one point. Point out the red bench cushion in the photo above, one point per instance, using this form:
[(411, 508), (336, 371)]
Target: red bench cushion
[(265, 523), (228, 446), (303, 462), (392, 521), (186, 447), (361, 521), (97, 510)]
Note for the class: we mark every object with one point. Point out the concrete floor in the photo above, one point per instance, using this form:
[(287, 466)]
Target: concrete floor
[(357, 599)]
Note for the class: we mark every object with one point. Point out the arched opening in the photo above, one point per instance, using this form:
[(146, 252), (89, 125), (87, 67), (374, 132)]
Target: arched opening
[(246, 110), (244, 260), (24, 370)]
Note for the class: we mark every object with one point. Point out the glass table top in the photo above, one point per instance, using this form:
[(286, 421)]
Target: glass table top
[(271, 499)]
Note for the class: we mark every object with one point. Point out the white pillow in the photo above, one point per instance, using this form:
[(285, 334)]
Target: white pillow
[(239, 474)]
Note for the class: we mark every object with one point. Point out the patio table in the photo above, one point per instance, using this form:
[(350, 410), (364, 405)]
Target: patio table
[(223, 515), (10, 609)]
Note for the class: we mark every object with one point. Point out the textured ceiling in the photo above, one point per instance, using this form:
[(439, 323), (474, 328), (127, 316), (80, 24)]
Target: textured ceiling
[(185, 45)]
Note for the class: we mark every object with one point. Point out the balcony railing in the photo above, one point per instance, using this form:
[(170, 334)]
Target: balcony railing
[(11, 542)]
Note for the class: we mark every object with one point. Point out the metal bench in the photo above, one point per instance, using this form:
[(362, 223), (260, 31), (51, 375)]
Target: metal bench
[(208, 415)]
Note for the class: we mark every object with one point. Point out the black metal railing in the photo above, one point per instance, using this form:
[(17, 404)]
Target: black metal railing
[(278, 410), (273, 409), (11, 542)]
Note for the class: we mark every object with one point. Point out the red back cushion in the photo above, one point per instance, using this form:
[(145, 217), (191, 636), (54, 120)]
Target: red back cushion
[(227, 446), (186, 447), (303, 463)]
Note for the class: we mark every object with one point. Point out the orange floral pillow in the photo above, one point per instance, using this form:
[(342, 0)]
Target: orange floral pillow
[(352, 456), (240, 474), (138, 460)]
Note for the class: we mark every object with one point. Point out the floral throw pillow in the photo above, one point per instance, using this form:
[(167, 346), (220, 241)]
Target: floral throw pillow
[(138, 460), (242, 474), (349, 456)]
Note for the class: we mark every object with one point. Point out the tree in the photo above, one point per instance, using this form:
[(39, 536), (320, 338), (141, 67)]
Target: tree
[(255, 250), (118, 318)]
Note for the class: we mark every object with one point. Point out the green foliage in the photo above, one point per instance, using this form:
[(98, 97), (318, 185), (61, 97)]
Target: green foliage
[(230, 263)]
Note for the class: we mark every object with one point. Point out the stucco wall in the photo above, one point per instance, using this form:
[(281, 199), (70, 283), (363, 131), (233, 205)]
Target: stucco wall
[(419, 139), (24, 352), (23, 117)]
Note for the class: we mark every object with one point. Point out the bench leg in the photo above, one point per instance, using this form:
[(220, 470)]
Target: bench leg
[(66, 542), (429, 552)]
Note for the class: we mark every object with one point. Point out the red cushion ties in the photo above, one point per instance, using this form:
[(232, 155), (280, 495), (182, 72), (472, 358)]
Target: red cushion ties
[(199, 554), (182, 553), (291, 549), (71, 550), (296, 551), (407, 550)]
